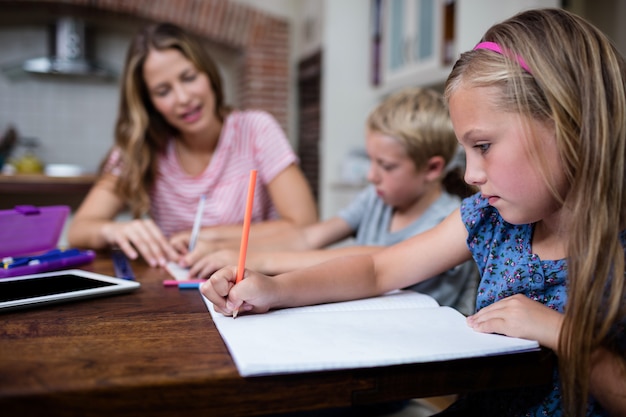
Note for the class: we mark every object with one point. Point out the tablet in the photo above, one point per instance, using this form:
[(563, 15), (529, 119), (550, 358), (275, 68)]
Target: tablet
[(60, 286)]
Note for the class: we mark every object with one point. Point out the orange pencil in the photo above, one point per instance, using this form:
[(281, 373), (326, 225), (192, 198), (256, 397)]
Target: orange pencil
[(246, 231)]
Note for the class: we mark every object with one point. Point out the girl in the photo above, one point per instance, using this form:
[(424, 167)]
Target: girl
[(540, 108), (176, 140)]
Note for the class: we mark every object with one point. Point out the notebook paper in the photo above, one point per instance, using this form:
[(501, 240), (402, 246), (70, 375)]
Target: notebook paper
[(398, 328), (177, 272)]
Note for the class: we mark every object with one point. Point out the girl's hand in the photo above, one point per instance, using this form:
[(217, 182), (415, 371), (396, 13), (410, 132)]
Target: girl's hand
[(255, 293), (519, 316), (141, 236)]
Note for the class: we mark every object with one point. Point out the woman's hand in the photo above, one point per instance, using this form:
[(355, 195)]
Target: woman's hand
[(519, 316), (209, 263), (255, 293), (180, 241), (205, 258), (207, 242), (141, 236)]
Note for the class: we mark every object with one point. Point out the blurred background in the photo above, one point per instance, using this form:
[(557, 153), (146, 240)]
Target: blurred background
[(319, 66)]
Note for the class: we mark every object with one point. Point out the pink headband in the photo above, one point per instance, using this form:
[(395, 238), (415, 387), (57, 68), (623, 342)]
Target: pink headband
[(492, 46)]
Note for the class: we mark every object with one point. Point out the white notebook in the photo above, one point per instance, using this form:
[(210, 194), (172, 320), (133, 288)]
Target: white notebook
[(177, 272), (397, 328)]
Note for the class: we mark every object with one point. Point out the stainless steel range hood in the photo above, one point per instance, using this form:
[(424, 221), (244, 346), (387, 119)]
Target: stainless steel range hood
[(68, 56)]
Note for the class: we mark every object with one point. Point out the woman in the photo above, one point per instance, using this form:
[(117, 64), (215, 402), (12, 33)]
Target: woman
[(176, 140)]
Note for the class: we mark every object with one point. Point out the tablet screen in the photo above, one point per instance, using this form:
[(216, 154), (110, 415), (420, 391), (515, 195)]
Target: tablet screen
[(38, 287), (35, 290)]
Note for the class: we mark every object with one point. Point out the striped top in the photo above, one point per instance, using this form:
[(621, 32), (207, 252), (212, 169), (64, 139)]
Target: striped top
[(249, 140)]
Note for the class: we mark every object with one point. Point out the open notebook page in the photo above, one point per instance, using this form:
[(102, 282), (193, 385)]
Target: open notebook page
[(398, 328), (394, 299), (176, 271)]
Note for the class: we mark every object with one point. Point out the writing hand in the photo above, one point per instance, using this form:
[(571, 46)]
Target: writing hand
[(180, 241), (255, 292), (519, 316), (141, 236)]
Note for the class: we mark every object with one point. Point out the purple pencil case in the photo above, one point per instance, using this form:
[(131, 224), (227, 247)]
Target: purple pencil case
[(30, 231)]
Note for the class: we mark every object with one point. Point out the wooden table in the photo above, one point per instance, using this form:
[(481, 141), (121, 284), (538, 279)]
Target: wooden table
[(156, 352)]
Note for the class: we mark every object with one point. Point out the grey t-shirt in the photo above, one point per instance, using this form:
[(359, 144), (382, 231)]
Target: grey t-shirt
[(370, 218)]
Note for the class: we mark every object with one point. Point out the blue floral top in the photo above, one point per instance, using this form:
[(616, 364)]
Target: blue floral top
[(504, 257)]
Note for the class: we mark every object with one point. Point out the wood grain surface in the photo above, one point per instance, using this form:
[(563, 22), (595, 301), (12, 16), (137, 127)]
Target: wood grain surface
[(156, 352)]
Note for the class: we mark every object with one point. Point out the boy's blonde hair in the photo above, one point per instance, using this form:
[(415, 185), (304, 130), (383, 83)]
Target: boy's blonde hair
[(418, 118)]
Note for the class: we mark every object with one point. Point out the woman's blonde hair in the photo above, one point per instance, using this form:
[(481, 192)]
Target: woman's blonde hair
[(576, 83), (141, 133), (418, 118)]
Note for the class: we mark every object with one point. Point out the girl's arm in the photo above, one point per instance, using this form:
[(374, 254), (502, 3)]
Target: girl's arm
[(93, 226), (411, 261)]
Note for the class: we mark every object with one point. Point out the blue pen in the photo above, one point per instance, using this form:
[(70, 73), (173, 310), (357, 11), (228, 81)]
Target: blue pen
[(54, 254)]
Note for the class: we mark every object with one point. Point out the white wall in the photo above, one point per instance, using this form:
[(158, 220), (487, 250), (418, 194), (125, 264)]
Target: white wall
[(474, 17), (347, 96)]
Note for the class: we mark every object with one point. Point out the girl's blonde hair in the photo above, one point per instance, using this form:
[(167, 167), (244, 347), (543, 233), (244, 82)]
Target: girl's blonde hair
[(418, 118), (141, 133), (576, 83)]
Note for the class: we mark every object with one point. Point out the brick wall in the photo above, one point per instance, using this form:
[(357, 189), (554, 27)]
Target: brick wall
[(261, 39)]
